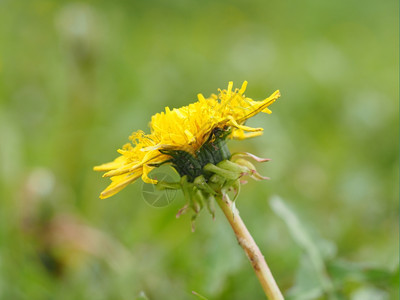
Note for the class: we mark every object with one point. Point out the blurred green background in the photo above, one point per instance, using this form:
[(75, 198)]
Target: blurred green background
[(76, 78)]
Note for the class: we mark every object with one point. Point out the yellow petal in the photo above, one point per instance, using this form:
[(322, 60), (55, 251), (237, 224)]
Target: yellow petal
[(119, 182), (117, 163)]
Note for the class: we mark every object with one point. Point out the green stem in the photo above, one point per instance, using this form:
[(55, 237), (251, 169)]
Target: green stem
[(251, 249)]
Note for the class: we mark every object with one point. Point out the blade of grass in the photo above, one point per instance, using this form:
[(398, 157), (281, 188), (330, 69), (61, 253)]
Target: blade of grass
[(199, 296), (304, 241)]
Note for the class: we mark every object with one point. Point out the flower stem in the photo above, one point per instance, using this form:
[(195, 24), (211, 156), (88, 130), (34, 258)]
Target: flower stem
[(251, 249)]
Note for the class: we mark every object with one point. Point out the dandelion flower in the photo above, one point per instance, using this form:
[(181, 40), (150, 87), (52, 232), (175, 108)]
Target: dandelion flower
[(188, 138)]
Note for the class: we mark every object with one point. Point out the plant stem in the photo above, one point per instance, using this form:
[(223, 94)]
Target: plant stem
[(251, 249)]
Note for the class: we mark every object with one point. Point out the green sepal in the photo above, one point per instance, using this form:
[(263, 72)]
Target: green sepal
[(233, 167), (185, 187), (197, 200), (248, 155), (188, 192), (164, 185), (216, 182), (245, 163), (236, 189), (222, 172), (201, 183), (217, 179), (210, 204), (253, 171)]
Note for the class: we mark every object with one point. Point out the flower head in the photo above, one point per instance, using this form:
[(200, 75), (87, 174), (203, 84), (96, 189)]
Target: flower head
[(189, 138)]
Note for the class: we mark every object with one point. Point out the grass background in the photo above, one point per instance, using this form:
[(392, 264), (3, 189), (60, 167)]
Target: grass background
[(76, 78)]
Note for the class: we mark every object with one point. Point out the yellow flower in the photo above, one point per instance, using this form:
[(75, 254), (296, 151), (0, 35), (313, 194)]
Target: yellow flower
[(178, 136)]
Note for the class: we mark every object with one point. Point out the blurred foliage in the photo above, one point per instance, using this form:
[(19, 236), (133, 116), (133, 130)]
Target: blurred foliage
[(76, 78)]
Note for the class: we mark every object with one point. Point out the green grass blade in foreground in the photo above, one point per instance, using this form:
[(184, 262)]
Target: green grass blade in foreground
[(303, 239), (199, 296)]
